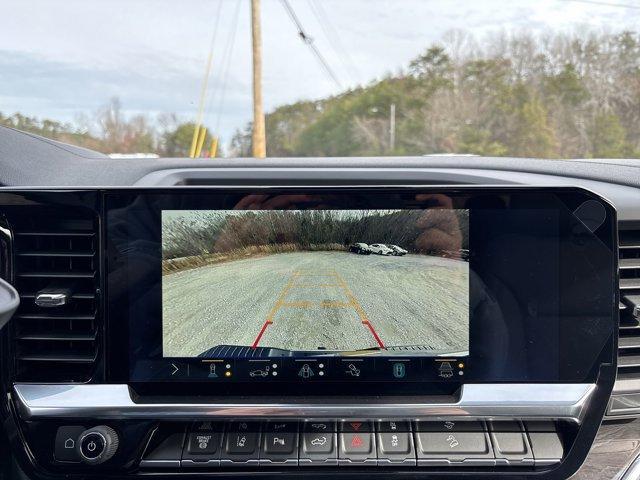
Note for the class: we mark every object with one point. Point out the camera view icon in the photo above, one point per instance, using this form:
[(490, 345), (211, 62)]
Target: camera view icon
[(259, 372)]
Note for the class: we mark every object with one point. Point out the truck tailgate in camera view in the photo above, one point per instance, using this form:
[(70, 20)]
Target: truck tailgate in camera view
[(318, 281)]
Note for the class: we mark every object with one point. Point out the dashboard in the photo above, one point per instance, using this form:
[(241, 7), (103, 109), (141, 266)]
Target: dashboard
[(422, 318)]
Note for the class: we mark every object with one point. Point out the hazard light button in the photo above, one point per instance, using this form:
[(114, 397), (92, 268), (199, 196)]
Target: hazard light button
[(357, 449)]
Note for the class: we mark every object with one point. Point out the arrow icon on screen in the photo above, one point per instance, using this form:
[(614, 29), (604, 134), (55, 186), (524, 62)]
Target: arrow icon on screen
[(175, 369)]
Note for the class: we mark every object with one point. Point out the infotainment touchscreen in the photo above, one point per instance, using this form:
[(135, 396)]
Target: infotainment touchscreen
[(395, 290), (336, 282)]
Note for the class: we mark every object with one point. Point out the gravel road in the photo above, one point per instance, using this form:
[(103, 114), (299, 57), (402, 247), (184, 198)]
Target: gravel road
[(307, 300)]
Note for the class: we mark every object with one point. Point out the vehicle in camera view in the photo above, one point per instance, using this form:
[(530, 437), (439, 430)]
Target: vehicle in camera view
[(397, 251), (380, 249), (360, 248)]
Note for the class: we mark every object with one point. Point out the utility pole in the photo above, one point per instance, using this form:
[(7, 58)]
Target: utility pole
[(392, 127), (258, 137)]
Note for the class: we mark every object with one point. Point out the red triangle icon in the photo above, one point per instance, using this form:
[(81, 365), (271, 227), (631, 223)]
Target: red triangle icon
[(356, 441), (356, 425)]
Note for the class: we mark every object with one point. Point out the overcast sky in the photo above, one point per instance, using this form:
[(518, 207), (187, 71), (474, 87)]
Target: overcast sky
[(61, 58)]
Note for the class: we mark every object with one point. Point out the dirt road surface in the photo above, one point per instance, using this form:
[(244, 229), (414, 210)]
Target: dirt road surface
[(310, 300)]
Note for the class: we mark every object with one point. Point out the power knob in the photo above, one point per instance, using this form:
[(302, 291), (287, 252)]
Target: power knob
[(97, 445)]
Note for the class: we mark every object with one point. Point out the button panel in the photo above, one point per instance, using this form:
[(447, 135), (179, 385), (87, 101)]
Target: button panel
[(361, 442)]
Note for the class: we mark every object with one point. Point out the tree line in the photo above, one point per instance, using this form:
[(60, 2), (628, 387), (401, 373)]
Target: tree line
[(553, 95), (109, 131), (418, 231)]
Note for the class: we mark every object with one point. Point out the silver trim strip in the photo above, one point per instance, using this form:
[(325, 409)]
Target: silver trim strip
[(567, 401)]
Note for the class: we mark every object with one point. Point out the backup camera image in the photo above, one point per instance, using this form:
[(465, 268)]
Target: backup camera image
[(389, 282)]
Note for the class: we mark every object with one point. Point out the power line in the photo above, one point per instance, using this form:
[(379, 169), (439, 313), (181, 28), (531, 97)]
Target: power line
[(607, 4), (227, 65), (218, 93), (309, 41), (332, 35), (205, 83)]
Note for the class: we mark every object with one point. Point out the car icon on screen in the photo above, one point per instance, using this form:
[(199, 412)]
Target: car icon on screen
[(259, 373)]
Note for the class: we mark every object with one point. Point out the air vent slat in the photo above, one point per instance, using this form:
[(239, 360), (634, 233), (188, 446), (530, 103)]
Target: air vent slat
[(44, 316), (56, 275), (86, 296), (627, 361), (58, 337), (626, 343), (54, 234), (57, 358), (630, 326), (56, 254), (629, 284), (629, 263), (56, 251)]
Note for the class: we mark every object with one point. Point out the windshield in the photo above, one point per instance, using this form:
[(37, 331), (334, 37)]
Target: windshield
[(542, 79)]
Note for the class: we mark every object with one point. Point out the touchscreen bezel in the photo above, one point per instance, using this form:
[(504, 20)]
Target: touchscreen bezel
[(119, 314)]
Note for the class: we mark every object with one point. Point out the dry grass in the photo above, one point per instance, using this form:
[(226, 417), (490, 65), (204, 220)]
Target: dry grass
[(186, 263)]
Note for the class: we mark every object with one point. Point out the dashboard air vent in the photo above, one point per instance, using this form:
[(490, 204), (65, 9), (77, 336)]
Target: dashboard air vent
[(56, 328), (629, 342)]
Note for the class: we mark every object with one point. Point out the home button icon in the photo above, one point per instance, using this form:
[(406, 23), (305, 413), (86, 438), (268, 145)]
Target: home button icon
[(66, 443)]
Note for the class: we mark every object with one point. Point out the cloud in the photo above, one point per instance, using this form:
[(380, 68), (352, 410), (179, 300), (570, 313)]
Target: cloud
[(61, 91)]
